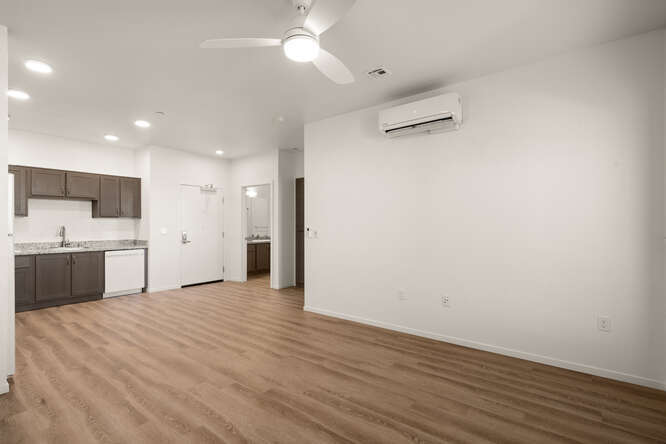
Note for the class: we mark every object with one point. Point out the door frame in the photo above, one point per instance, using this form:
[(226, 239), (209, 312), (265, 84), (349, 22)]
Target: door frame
[(304, 231), (243, 242), (180, 227)]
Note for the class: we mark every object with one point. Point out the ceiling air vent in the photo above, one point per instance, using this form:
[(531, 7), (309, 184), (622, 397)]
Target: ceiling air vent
[(379, 73)]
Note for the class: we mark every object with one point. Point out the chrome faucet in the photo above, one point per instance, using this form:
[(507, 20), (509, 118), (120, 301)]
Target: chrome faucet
[(63, 232)]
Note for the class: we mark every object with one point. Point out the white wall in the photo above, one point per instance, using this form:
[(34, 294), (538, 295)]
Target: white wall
[(44, 215), (39, 150), (290, 166), (247, 171), (545, 210), (4, 251), (168, 170)]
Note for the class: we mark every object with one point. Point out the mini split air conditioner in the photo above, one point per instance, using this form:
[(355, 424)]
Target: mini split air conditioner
[(433, 115)]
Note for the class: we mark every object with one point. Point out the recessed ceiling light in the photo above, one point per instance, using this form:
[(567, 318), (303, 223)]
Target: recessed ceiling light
[(142, 124), (37, 66), (18, 95), (219, 152), (111, 138)]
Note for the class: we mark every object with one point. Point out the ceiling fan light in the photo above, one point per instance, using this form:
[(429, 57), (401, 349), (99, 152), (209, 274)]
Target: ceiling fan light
[(301, 48)]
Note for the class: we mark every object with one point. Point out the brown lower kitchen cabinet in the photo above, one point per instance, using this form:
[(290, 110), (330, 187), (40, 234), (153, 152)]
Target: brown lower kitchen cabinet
[(264, 256), (53, 277), (87, 274), (24, 280), (47, 280), (259, 257), (251, 258)]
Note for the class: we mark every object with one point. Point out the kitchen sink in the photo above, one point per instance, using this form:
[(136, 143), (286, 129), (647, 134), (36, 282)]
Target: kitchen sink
[(65, 249)]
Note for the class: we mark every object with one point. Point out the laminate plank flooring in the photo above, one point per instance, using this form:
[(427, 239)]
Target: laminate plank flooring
[(231, 362)]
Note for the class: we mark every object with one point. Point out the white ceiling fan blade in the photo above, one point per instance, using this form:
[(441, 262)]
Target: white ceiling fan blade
[(326, 13), (333, 68), (240, 43)]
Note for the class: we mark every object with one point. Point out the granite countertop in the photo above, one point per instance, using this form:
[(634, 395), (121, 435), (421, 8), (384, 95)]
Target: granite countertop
[(36, 248), (258, 241)]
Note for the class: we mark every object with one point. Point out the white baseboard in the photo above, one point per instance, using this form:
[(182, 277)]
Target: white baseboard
[(4, 387), (156, 290), (583, 368)]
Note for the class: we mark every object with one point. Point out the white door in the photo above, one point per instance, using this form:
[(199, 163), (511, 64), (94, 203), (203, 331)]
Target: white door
[(202, 231)]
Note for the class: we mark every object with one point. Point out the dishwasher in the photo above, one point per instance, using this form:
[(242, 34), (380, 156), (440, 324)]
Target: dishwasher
[(124, 272)]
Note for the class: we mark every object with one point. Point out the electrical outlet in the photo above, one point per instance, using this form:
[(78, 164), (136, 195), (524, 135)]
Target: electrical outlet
[(446, 301), (604, 323), (402, 296)]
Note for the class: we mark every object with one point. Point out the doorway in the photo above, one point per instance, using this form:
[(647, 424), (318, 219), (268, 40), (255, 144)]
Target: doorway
[(201, 235), (257, 219), (300, 232)]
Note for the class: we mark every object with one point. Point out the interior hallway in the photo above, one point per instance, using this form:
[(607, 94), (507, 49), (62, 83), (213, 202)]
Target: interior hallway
[(231, 362)]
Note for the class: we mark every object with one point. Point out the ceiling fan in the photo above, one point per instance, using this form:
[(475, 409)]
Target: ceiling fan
[(301, 41)]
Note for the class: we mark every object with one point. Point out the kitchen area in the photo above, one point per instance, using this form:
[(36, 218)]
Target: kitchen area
[(50, 268)]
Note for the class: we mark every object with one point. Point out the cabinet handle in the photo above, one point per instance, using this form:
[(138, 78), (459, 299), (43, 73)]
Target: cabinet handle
[(73, 260), (67, 261)]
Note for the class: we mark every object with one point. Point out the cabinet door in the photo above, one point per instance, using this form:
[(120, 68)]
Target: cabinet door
[(87, 274), (109, 198), (53, 276), (82, 185), (251, 258), (47, 183), (20, 190), (24, 280), (130, 197), (263, 257)]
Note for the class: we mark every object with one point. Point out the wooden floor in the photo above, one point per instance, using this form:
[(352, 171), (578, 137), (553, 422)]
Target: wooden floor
[(241, 363)]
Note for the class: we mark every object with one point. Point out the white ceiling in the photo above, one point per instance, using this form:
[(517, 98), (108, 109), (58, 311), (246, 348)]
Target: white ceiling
[(122, 60)]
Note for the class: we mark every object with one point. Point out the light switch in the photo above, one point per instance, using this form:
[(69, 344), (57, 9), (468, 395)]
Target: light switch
[(163, 230)]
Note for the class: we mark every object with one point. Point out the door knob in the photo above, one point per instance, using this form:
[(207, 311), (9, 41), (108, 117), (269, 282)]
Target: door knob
[(184, 238)]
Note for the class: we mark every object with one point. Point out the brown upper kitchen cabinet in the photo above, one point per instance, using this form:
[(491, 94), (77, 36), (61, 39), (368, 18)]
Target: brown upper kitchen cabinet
[(118, 197), (111, 196), (82, 185), (20, 190), (87, 274), (130, 197), (108, 204), (53, 276), (47, 183)]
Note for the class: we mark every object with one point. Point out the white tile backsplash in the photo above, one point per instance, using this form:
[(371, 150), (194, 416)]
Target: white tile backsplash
[(45, 216)]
